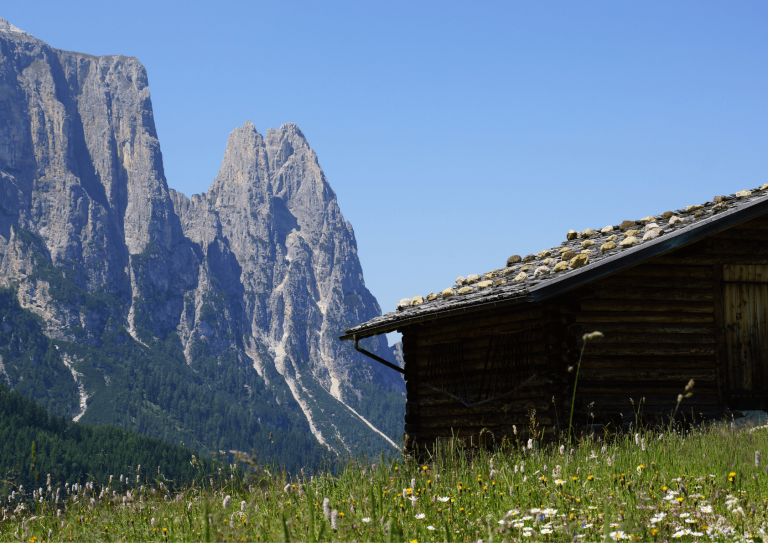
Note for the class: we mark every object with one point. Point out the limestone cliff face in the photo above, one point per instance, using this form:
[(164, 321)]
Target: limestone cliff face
[(260, 273)]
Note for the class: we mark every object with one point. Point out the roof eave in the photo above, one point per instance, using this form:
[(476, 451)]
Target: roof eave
[(606, 266)]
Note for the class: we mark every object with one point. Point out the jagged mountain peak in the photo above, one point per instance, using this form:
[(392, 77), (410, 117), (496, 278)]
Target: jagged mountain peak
[(5, 26), (165, 307)]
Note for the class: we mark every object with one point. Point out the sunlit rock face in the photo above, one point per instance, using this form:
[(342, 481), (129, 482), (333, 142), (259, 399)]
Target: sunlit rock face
[(254, 279)]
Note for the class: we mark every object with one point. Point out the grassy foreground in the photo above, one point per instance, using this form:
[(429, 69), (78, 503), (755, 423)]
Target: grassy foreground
[(706, 484)]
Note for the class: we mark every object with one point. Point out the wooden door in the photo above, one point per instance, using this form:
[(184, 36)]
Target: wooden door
[(745, 316)]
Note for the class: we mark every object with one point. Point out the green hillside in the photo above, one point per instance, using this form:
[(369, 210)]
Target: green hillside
[(72, 452)]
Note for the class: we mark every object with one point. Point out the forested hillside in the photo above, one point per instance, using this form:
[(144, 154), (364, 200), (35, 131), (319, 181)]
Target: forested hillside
[(72, 452), (152, 391)]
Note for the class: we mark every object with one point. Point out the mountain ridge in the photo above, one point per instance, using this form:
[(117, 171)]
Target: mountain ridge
[(248, 284)]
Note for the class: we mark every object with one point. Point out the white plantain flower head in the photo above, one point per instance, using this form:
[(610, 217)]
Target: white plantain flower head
[(334, 520)]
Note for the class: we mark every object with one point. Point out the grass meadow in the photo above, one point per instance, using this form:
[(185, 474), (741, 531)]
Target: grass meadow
[(664, 484)]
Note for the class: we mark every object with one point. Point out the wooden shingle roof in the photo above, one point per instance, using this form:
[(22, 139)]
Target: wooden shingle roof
[(583, 257)]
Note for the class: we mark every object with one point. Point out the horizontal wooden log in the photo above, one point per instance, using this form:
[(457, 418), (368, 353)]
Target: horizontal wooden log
[(650, 349), (743, 234), (438, 335), (530, 393), (531, 314), (610, 337), (655, 387), (478, 421), (474, 372), (463, 431), (670, 317), (655, 294), (630, 306), (511, 409), (473, 381), (738, 247), (658, 269), (591, 360), (478, 347), (603, 400), (684, 283), (648, 328), (753, 225), (647, 374), (712, 259)]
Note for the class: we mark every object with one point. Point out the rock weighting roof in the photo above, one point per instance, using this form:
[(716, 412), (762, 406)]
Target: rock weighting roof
[(582, 257)]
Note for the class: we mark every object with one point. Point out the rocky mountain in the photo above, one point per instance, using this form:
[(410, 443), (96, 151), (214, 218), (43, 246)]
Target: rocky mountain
[(214, 319)]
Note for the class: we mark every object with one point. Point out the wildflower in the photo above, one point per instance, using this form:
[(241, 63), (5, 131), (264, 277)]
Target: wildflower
[(366, 519), (152, 522), (705, 508), (640, 469), (590, 478), (420, 516), (227, 499), (530, 444), (558, 482), (242, 505), (425, 468), (637, 440), (327, 508), (562, 450), (334, 520), (430, 528), (443, 499)]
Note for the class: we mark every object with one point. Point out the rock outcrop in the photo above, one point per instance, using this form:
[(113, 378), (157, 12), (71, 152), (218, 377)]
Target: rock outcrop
[(258, 276)]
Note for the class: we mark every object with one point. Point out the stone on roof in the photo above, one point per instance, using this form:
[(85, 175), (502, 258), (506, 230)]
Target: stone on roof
[(682, 221)]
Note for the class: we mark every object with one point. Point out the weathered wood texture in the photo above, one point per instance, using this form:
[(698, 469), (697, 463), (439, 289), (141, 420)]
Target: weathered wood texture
[(693, 313), (666, 321), (745, 318)]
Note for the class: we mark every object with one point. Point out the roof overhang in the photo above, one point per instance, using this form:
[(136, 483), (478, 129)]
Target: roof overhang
[(604, 267)]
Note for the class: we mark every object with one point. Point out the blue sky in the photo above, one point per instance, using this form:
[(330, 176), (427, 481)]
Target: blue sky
[(454, 134)]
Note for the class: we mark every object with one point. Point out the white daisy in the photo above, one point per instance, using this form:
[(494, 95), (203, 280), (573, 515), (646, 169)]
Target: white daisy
[(420, 516), (443, 499), (430, 528), (366, 519)]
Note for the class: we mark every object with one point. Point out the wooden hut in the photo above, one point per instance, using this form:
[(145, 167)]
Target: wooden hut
[(677, 296)]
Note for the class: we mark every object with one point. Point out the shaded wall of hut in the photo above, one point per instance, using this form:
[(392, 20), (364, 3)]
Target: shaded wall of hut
[(459, 372), (700, 313)]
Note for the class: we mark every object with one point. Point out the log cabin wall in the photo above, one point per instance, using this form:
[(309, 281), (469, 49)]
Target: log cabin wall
[(452, 362), (667, 321)]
